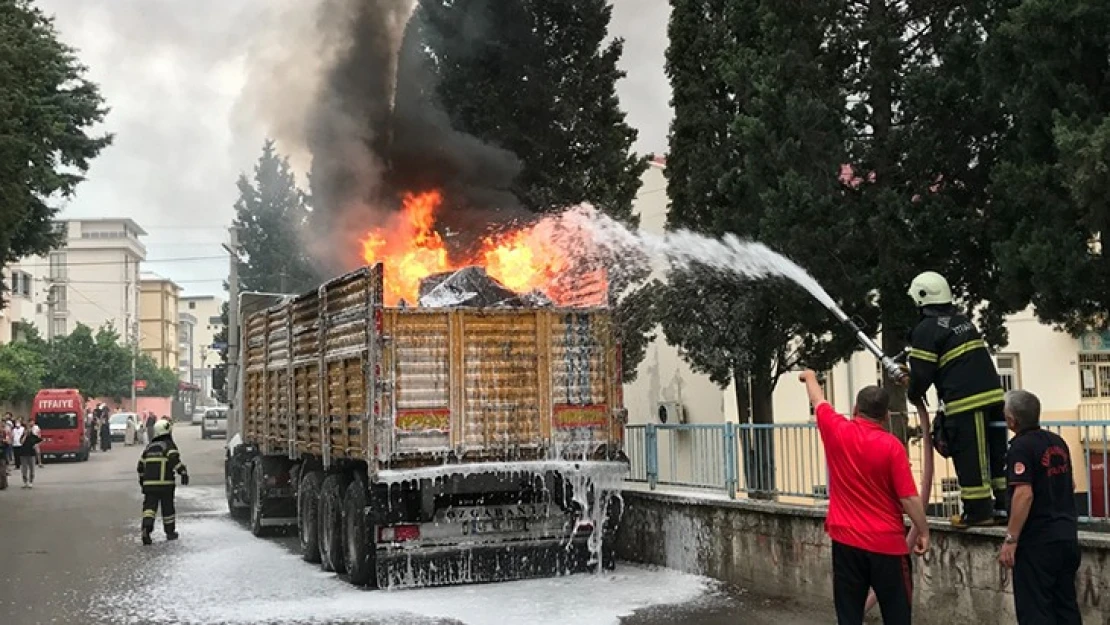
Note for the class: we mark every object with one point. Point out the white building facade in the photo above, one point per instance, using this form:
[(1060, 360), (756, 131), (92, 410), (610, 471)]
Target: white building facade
[(1071, 376), (205, 355), (92, 279)]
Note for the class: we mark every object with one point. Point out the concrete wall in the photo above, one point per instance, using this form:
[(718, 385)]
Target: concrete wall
[(782, 551)]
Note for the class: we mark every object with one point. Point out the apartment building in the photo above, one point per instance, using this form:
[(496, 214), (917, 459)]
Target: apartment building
[(92, 279), (158, 320), (186, 325)]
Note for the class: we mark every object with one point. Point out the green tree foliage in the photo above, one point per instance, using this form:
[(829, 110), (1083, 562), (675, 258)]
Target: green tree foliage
[(923, 146), (269, 214), (160, 381), (94, 363), (756, 149), (22, 369), (1049, 65), (538, 78), (46, 108)]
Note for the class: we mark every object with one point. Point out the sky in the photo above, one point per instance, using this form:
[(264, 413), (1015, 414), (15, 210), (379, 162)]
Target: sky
[(175, 76)]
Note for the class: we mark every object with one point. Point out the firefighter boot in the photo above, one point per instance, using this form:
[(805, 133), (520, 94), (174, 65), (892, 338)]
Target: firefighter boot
[(147, 540)]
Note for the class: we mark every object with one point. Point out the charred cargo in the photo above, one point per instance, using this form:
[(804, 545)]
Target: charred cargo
[(428, 446)]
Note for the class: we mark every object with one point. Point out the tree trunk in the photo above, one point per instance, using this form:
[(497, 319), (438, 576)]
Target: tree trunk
[(758, 444), (883, 42)]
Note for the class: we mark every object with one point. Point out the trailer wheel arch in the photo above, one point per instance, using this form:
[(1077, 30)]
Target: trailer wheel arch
[(255, 475), (308, 514), (359, 552), (330, 521)]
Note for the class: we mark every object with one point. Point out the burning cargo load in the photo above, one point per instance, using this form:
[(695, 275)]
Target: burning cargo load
[(545, 264)]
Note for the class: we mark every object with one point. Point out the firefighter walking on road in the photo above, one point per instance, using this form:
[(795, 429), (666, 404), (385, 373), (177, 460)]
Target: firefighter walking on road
[(160, 460), (946, 350)]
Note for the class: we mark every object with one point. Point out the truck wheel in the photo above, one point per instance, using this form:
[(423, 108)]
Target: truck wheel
[(254, 488), (308, 515), (234, 509), (331, 523), (360, 551)]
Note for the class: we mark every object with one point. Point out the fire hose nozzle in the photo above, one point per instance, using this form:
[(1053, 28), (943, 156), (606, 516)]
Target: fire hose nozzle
[(896, 371)]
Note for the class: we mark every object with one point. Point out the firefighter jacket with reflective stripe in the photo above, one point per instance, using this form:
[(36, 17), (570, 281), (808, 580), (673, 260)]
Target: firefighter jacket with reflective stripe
[(158, 463), (947, 350)]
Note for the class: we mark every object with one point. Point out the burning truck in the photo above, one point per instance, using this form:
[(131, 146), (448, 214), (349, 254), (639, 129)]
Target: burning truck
[(422, 422)]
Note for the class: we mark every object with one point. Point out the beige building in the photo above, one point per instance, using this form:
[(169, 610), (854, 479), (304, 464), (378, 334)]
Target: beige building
[(158, 321), (1071, 376), (92, 279)]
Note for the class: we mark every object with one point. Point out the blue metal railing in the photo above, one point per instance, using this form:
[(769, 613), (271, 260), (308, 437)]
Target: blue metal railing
[(785, 462)]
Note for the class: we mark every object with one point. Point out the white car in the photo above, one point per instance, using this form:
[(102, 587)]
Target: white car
[(117, 424), (215, 422), (198, 416)]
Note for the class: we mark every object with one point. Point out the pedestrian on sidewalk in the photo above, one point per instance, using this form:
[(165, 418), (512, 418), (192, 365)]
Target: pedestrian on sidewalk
[(870, 486), (93, 425), (37, 432), (131, 432), (6, 432), (18, 432), (27, 449), (105, 434), (150, 421), (1042, 538)]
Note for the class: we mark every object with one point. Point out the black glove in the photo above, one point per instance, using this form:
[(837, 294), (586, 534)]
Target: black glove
[(184, 479)]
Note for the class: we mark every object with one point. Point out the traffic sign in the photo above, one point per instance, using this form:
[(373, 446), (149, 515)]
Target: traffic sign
[(140, 385), (218, 346)]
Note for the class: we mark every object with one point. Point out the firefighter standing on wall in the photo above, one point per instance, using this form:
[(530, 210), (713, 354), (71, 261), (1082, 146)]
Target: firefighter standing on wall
[(947, 350), (160, 460)]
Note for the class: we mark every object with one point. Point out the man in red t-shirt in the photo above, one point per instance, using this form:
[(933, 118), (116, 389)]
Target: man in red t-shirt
[(870, 486)]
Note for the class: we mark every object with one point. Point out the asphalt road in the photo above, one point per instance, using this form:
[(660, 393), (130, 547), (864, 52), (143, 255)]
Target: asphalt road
[(70, 552)]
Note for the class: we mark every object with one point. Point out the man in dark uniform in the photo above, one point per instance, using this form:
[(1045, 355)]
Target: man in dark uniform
[(156, 467), (1042, 540), (946, 350)]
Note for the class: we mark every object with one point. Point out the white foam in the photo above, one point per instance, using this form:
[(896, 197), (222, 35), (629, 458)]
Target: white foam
[(749, 259), (219, 573)]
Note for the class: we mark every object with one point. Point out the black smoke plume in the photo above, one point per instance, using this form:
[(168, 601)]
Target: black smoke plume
[(376, 130)]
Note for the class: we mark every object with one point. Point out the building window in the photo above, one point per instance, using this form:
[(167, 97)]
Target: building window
[(60, 297), (1009, 371), (57, 266), (1094, 375), (192, 305), (59, 326)]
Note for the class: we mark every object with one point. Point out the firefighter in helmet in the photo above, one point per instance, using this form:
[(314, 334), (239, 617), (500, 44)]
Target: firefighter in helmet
[(159, 462), (947, 350)]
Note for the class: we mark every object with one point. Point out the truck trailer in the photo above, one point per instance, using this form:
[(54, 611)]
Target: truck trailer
[(427, 446)]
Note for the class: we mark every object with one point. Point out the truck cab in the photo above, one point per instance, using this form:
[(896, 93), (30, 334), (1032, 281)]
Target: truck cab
[(60, 416)]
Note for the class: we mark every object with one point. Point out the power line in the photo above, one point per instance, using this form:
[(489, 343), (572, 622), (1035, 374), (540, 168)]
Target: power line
[(116, 262)]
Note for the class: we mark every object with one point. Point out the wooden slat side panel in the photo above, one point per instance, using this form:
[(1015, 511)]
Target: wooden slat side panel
[(582, 375), (419, 367), (500, 358)]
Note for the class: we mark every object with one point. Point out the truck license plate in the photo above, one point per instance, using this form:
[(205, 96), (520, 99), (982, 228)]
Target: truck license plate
[(473, 528)]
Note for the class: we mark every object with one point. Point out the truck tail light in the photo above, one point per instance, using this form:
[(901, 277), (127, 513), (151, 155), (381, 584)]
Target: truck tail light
[(398, 533)]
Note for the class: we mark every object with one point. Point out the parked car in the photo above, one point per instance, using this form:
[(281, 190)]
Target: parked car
[(198, 415), (215, 422), (117, 424)]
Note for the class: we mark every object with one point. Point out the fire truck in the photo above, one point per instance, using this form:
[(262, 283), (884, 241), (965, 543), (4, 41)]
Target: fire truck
[(423, 446)]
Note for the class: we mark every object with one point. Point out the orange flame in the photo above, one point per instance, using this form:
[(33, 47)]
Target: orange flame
[(410, 250)]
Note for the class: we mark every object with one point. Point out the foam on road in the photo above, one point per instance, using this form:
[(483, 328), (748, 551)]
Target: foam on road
[(218, 573)]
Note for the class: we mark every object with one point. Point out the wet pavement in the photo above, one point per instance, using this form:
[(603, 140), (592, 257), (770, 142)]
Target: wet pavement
[(70, 552)]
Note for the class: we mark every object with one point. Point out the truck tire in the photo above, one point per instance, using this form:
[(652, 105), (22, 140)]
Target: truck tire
[(331, 523), (308, 515), (359, 554), (234, 509)]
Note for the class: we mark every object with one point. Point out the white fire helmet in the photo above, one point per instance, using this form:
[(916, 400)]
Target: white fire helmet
[(162, 427), (930, 288)]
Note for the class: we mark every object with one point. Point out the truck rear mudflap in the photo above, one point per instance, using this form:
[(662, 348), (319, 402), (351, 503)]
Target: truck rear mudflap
[(487, 563)]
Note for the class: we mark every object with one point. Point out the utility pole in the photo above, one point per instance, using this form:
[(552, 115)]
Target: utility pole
[(133, 343), (232, 379)]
